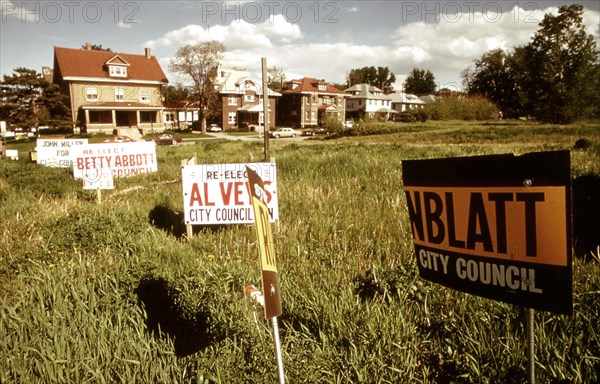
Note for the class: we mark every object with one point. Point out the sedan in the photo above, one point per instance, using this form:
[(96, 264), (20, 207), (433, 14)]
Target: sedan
[(314, 131), (167, 139), (283, 132), (214, 128)]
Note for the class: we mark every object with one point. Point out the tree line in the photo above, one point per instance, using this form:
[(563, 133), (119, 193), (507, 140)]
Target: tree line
[(554, 78)]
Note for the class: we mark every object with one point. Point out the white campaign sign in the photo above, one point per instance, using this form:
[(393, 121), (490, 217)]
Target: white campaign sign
[(123, 159), (56, 152), (99, 179), (218, 193)]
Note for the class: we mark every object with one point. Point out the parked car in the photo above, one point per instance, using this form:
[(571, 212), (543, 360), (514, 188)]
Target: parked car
[(120, 139), (167, 139), (214, 128), (315, 131), (283, 132)]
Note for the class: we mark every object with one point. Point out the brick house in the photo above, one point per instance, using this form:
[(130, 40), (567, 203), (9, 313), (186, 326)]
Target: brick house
[(306, 102), (242, 100), (110, 91)]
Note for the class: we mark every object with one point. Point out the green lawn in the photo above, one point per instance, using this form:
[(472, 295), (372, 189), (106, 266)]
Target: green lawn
[(115, 293)]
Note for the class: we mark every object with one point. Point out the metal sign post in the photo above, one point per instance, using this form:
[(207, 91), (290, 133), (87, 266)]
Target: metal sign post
[(530, 345), (278, 350), (266, 115)]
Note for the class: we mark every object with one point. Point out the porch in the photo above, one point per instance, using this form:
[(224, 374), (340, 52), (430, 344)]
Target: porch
[(108, 117)]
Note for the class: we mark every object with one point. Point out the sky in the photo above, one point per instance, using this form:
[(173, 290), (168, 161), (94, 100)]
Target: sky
[(321, 39)]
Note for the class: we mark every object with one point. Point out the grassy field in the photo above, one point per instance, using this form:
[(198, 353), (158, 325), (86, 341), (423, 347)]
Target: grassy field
[(116, 293)]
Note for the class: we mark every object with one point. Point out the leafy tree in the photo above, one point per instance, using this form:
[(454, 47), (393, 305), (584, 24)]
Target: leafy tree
[(177, 92), (275, 77), (420, 82), (199, 62), (380, 77), (30, 101), (494, 78), (97, 47), (561, 63)]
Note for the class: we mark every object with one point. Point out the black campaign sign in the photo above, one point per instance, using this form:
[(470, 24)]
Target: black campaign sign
[(496, 226)]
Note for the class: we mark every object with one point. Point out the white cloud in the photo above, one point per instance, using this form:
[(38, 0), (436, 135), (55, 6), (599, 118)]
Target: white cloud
[(281, 29), (123, 25), (236, 35)]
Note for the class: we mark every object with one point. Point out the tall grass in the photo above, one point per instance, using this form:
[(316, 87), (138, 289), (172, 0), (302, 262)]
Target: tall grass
[(115, 293)]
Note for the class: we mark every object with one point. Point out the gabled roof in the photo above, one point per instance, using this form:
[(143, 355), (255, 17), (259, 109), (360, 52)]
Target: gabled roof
[(83, 63), (117, 60), (366, 91), (310, 85)]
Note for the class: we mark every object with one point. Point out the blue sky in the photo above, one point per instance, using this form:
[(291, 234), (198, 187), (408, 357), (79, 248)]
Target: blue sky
[(322, 39)]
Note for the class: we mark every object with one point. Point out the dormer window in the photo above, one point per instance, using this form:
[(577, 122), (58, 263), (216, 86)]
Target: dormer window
[(322, 87), (117, 66), (117, 71)]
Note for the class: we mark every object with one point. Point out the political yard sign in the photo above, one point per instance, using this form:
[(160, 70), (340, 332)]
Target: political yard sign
[(258, 196), (57, 152), (122, 159), (218, 194), (495, 226)]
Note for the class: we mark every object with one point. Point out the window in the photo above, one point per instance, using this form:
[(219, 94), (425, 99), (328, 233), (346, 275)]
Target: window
[(117, 71), (94, 117), (231, 118), (119, 94), (232, 100), (147, 117), (144, 96), (91, 94), (322, 87), (249, 98)]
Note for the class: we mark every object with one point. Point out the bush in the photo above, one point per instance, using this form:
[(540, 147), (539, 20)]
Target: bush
[(462, 108), (413, 115)]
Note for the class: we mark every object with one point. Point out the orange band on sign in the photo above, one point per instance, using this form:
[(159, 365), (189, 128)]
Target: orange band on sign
[(510, 223)]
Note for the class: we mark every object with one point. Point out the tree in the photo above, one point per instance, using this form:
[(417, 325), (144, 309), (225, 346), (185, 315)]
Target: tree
[(560, 63), (96, 47), (494, 78), (30, 101), (275, 78), (380, 77), (200, 62), (419, 82), (176, 92)]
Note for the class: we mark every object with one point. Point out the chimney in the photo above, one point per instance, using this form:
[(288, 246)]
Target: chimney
[(148, 54), (88, 46)]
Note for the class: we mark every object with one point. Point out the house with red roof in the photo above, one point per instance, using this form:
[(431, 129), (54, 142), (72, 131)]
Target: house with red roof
[(110, 91), (306, 102)]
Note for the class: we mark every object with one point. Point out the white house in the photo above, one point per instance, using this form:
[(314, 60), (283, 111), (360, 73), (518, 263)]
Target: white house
[(365, 100), (402, 102)]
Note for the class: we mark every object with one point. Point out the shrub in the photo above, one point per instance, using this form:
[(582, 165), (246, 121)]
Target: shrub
[(462, 108)]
